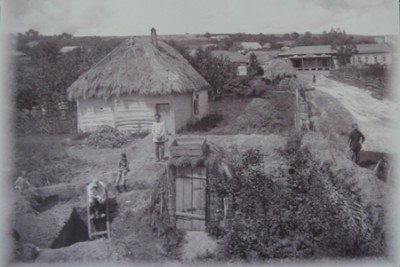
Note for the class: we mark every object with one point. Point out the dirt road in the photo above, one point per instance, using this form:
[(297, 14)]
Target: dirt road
[(343, 104)]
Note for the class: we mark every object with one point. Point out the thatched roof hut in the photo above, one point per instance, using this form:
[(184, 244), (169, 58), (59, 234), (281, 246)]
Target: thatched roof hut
[(137, 66), (138, 78)]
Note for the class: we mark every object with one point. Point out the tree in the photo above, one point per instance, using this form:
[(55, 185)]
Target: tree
[(65, 35), (207, 35), (217, 71), (43, 80), (344, 53), (253, 64), (294, 35), (286, 37)]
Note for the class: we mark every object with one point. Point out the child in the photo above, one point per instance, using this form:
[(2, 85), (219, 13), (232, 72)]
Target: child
[(123, 169)]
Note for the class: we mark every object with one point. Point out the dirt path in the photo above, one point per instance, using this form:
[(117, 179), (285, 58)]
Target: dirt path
[(343, 104)]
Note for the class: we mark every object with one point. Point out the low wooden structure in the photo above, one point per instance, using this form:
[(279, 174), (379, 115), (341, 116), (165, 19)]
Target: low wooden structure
[(193, 204)]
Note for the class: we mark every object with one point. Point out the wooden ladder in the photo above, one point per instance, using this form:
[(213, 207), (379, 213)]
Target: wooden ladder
[(98, 227)]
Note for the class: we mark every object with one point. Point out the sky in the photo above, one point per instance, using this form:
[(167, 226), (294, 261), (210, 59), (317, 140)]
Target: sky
[(135, 17)]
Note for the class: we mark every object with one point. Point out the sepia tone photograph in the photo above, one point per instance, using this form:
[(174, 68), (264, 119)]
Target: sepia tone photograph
[(193, 133)]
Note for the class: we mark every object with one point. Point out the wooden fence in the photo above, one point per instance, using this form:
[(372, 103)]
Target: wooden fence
[(352, 79)]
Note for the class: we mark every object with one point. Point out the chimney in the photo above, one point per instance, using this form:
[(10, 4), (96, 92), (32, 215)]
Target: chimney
[(154, 37)]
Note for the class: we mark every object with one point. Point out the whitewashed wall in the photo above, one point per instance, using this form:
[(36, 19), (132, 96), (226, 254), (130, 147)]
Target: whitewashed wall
[(183, 109), (93, 113), (385, 58), (136, 113), (203, 103)]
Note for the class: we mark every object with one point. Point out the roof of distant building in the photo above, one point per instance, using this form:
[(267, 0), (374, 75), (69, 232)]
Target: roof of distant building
[(235, 57), (373, 48), (250, 45), (66, 49), (305, 50)]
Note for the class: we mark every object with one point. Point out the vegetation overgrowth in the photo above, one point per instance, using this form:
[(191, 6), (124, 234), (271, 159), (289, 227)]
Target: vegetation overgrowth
[(300, 212)]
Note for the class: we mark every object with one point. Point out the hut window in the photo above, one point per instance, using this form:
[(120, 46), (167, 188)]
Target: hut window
[(196, 104)]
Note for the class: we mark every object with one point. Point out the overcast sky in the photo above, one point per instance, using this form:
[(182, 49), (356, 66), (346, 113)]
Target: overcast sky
[(134, 17)]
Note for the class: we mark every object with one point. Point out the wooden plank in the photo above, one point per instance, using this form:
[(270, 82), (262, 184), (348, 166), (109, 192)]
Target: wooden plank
[(191, 216), (179, 223), (202, 226), (187, 147), (189, 177), (188, 200), (202, 196), (186, 153), (195, 225), (179, 195), (187, 194), (199, 172)]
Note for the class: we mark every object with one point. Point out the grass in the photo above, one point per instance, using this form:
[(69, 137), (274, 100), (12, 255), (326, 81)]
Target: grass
[(44, 159)]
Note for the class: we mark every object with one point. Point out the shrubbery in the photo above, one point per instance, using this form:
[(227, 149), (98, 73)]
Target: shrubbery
[(205, 124), (298, 213)]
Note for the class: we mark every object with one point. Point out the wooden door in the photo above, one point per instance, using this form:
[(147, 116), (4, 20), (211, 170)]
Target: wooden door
[(165, 114), (191, 198)]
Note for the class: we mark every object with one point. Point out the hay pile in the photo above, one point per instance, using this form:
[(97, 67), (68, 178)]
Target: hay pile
[(106, 137), (278, 69)]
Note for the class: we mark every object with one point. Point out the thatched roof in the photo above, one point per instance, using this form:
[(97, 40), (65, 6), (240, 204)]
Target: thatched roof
[(137, 66), (278, 68)]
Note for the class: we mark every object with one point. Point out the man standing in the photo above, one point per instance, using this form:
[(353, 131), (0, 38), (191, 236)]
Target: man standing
[(158, 131), (356, 138)]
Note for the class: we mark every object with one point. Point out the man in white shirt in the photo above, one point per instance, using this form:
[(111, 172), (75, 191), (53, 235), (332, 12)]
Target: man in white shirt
[(158, 132), (96, 191)]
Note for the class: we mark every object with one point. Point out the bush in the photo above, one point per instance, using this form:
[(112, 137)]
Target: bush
[(106, 137), (299, 214), (206, 123)]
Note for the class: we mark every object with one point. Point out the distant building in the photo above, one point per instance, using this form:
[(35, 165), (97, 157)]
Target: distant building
[(67, 49), (386, 39), (372, 54), (205, 46), (250, 46), (220, 37), (32, 44), (310, 58), (262, 56), (267, 46), (287, 43), (239, 60)]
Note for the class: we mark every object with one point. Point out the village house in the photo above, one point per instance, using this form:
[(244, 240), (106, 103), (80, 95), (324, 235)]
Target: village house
[(263, 58), (239, 60), (266, 46), (137, 79), (368, 54), (311, 58), (66, 49), (248, 46)]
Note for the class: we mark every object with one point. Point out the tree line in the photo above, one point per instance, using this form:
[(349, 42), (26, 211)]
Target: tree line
[(43, 79)]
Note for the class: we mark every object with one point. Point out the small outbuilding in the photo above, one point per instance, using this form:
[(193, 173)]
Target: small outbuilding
[(137, 79)]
